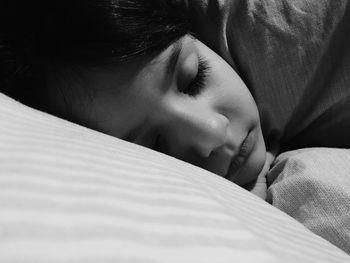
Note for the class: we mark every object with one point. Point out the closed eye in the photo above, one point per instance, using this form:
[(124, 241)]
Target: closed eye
[(195, 87)]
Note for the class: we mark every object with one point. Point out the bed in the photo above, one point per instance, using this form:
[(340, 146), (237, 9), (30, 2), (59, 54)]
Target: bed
[(71, 194)]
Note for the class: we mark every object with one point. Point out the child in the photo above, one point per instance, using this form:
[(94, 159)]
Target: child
[(164, 74)]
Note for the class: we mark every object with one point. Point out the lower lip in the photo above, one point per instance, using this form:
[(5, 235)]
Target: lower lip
[(240, 159)]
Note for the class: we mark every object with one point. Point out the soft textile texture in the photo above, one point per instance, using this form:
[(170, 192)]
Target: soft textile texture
[(313, 186), (294, 56), (70, 194)]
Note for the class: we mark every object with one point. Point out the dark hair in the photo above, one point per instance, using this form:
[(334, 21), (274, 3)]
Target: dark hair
[(39, 36)]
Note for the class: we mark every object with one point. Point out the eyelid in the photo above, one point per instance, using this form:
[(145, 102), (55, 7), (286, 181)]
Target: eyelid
[(197, 84), (174, 57)]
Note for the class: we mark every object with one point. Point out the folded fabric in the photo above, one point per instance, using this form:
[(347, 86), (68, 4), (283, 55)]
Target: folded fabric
[(313, 186)]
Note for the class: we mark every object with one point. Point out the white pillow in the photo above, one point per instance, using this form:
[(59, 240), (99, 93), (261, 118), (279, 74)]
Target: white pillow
[(70, 194)]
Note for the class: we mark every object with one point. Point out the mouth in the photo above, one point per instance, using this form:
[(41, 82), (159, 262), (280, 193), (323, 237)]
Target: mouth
[(239, 159)]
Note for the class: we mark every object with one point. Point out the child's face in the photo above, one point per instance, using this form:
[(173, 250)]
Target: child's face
[(187, 102)]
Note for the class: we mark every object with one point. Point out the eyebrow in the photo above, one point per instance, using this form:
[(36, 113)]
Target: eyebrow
[(174, 57)]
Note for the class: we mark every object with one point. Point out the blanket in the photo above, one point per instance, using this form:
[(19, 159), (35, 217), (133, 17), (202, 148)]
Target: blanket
[(313, 186)]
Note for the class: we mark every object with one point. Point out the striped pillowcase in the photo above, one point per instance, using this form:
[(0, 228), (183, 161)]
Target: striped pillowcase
[(70, 194)]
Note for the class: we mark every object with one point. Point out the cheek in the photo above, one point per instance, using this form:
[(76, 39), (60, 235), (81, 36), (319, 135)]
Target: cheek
[(228, 90), (225, 80), (231, 97)]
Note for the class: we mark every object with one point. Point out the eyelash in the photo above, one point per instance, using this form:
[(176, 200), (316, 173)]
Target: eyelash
[(198, 83)]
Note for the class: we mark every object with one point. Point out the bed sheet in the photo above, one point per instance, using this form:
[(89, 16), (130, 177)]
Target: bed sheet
[(71, 194)]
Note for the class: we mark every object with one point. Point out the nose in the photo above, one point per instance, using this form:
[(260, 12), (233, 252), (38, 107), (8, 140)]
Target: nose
[(199, 130)]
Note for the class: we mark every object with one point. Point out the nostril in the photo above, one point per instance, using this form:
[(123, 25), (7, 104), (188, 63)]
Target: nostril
[(198, 131), (214, 136)]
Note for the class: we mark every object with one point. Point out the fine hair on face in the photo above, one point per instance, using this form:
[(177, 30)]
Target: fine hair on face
[(58, 38)]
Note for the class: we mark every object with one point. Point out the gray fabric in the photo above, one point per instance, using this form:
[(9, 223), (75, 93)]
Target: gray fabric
[(313, 186), (294, 56)]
